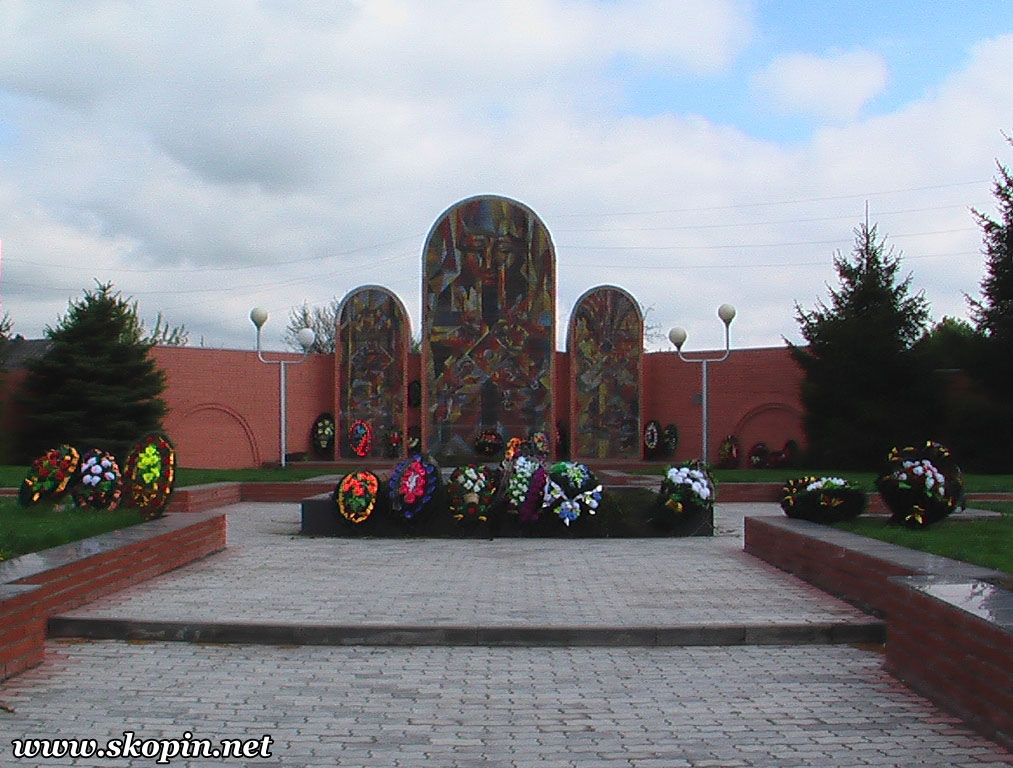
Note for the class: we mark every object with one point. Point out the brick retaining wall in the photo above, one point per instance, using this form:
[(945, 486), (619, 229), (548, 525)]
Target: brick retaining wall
[(953, 657), (949, 626), (39, 585), (201, 498)]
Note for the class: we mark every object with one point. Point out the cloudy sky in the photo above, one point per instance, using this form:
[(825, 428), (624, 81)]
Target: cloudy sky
[(208, 157)]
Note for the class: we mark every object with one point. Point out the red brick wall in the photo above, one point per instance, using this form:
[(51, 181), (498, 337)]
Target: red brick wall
[(224, 404), (953, 658), (956, 659), (754, 395), (224, 409), (24, 610)]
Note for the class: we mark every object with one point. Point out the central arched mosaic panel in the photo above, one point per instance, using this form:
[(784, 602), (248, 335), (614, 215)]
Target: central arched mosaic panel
[(489, 325)]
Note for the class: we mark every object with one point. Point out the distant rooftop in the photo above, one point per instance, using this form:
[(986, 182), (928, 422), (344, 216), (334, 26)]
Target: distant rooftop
[(19, 350)]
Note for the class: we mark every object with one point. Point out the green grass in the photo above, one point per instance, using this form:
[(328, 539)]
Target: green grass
[(864, 479), (11, 476), (44, 525), (986, 542)]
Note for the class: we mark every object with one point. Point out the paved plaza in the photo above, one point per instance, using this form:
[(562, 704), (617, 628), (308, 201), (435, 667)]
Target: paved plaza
[(737, 706)]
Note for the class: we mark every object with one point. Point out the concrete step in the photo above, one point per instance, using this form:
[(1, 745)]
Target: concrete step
[(865, 631)]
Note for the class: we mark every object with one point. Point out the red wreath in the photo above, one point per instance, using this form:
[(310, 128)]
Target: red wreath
[(360, 438)]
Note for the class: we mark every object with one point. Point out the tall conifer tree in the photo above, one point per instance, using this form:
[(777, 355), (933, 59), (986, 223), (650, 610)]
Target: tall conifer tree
[(96, 386), (993, 313), (864, 391), (991, 422)]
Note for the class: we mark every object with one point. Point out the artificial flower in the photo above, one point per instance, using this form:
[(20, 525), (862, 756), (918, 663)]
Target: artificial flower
[(488, 442), (412, 485), (356, 496), (570, 489), (49, 475), (822, 499), (360, 438), (149, 474), (471, 492), (101, 484), (921, 485)]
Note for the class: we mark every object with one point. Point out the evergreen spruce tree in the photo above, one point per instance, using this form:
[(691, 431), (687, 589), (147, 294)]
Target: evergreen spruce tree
[(96, 386), (952, 343), (992, 422), (864, 390), (993, 314)]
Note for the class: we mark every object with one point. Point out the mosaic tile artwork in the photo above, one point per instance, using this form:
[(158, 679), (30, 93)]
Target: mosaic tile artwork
[(371, 353), (605, 343), (489, 320)]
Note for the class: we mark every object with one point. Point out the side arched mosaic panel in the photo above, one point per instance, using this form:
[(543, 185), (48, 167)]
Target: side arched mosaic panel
[(371, 356), (489, 324), (605, 342)]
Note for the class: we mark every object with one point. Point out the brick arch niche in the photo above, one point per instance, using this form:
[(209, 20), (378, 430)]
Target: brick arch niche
[(215, 435), (605, 343), (488, 315), (371, 359), (772, 423)]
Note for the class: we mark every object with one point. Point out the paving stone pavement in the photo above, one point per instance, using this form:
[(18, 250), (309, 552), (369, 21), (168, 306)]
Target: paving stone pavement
[(741, 707), (462, 707), (270, 573)]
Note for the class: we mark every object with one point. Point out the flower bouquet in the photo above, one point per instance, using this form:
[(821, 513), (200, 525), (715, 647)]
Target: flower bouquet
[(759, 456), (149, 474), (570, 489), (471, 492), (786, 457), (670, 439), (822, 499), (394, 442), (652, 438), (921, 485), (525, 478), (412, 485), (356, 494), (49, 475), (728, 453), (323, 435), (539, 442), (488, 442), (360, 438), (101, 484), (686, 490), (516, 446)]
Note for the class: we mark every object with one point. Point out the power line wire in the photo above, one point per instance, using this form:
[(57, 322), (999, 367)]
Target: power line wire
[(759, 204)]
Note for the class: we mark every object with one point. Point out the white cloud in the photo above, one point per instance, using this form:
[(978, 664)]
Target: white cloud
[(277, 153), (837, 85)]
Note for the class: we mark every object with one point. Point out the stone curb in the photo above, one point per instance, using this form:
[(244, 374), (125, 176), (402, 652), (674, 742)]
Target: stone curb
[(821, 633)]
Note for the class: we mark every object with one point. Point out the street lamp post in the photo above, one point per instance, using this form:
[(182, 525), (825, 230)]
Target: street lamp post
[(306, 337), (726, 312)]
